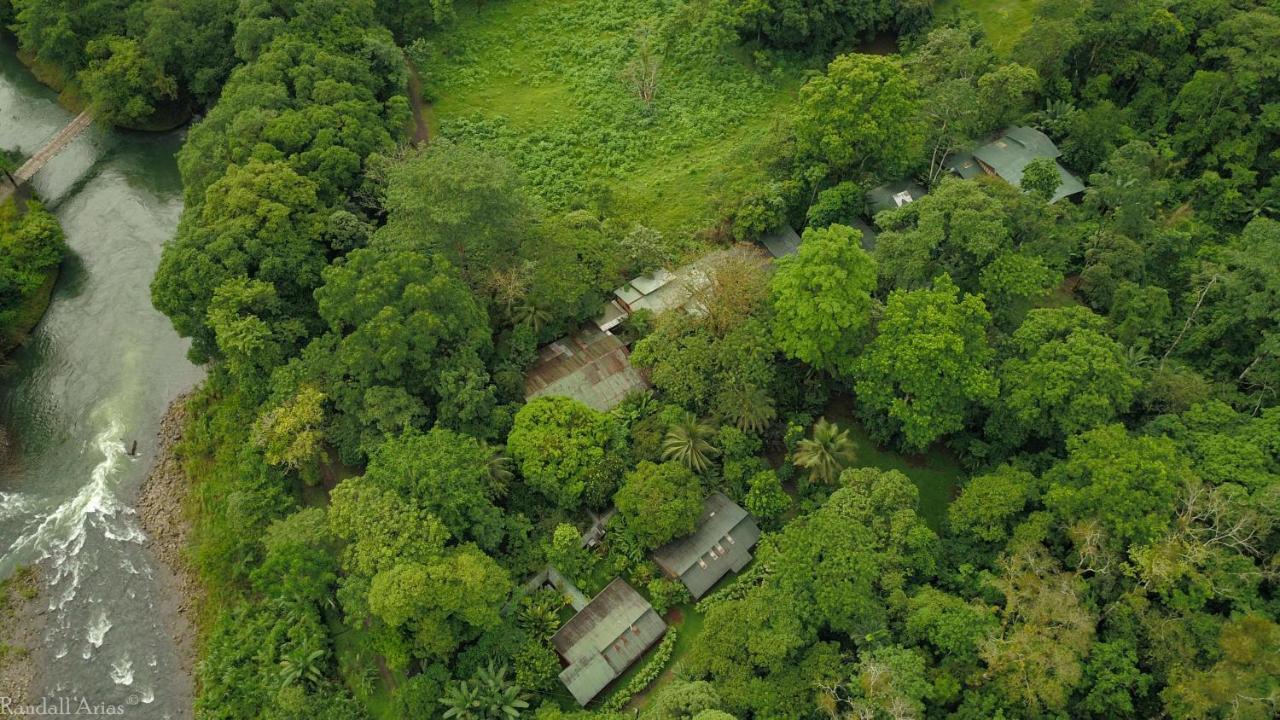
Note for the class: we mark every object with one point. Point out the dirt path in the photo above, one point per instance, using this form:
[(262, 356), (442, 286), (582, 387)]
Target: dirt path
[(421, 133)]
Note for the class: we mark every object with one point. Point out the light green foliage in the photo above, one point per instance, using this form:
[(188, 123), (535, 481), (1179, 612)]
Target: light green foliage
[(459, 202), (446, 473), (542, 84), (826, 454), (259, 221), (125, 85), (660, 502), (1040, 178), (766, 499), (558, 443), (682, 700), (1036, 658), (839, 204), (1126, 484), (887, 682), (1062, 375), (292, 433), (31, 246), (959, 229), (807, 23), (715, 373), (822, 299), (1244, 679), (566, 553), (1012, 283), (861, 116), (346, 107), (952, 627), (928, 366), (688, 443), (665, 593), (990, 504)]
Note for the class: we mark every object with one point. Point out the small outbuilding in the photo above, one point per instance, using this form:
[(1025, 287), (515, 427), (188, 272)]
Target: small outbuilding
[(1008, 155), (782, 242), (721, 544), (605, 638), (893, 195)]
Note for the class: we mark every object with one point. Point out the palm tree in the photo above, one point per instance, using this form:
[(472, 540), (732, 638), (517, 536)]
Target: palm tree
[(749, 407), (498, 467), (827, 454), (532, 315), (687, 442)]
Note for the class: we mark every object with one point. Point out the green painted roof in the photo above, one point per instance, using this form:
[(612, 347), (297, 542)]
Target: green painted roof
[(605, 638), (1009, 154), (893, 195), (721, 543)]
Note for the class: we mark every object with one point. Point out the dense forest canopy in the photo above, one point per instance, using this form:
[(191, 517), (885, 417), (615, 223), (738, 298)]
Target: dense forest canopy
[(1012, 458)]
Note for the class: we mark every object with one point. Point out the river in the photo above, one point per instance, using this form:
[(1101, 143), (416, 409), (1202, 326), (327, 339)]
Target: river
[(97, 374)]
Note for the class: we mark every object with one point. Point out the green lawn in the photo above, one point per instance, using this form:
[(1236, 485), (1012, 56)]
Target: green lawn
[(936, 473), (543, 82), (1003, 20)]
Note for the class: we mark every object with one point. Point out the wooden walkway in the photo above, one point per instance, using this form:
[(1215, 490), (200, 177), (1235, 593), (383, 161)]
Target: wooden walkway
[(55, 145)]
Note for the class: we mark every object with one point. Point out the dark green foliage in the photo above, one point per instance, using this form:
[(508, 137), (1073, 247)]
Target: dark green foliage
[(31, 246)]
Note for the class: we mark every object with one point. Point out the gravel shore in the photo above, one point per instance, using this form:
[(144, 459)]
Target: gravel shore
[(162, 512), (22, 619)]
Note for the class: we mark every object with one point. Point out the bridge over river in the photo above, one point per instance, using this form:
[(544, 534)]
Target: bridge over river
[(52, 147)]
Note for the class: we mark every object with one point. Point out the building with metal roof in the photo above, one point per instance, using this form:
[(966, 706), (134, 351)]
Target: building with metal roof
[(722, 543), (782, 242), (893, 195), (590, 366), (1008, 155), (605, 638)]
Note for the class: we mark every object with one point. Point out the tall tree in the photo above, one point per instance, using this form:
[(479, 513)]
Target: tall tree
[(929, 365)]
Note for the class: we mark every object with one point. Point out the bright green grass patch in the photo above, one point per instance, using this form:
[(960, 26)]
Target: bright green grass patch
[(543, 82), (936, 473), (1003, 20)]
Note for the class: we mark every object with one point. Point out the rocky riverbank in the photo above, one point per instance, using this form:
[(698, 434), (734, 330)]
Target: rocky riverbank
[(22, 618), (162, 511)]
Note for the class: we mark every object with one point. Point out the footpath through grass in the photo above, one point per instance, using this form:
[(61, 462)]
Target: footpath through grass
[(546, 83)]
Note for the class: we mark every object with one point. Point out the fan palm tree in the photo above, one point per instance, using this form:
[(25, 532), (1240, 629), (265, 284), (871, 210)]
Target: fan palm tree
[(828, 453), (498, 467), (749, 407), (532, 315), (688, 443)]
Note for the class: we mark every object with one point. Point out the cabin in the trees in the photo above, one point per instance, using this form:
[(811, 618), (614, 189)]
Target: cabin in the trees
[(590, 366), (605, 638), (722, 543), (1008, 155), (782, 242)]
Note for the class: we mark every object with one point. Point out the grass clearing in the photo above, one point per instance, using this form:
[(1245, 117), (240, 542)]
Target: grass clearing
[(1004, 20), (543, 81), (936, 473)]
